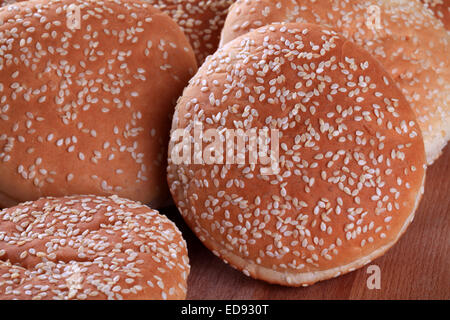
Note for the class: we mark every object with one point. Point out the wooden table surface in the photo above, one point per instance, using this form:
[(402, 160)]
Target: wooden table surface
[(417, 267)]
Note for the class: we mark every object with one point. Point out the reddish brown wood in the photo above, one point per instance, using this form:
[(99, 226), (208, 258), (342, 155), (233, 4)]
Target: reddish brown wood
[(417, 267)]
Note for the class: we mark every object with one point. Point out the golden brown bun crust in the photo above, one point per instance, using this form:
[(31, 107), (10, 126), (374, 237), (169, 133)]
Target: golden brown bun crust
[(351, 156), (8, 2), (201, 20), (441, 9), (412, 45), (6, 201), (88, 111), (88, 247)]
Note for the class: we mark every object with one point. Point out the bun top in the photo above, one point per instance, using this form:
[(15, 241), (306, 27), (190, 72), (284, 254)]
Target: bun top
[(441, 10), (202, 21), (351, 156), (86, 109), (86, 247), (407, 39), (7, 2)]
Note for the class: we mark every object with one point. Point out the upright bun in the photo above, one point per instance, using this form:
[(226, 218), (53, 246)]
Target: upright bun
[(88, 247), (351, 156), (441, 9), (201, 20), (88, 110), (409, 41)]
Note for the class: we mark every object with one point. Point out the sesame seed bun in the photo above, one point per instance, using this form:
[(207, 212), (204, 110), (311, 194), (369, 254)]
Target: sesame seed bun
[(88, 111), (411, 44), (201, 20), (351, 165), (441, 9), (7, 2), (90, 247)]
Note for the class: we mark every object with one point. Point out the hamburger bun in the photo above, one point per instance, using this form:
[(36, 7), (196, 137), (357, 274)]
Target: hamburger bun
[(87, 109), (90, 247), (7, 2), (441, 9), (409, 41), (351, 163), (201, 20)]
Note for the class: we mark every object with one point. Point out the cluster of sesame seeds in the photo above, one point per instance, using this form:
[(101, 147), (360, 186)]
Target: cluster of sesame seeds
[(87, 247), (201, 21), (351, 153), (86, 98), (441, 9), (8, 2), (411, 44)]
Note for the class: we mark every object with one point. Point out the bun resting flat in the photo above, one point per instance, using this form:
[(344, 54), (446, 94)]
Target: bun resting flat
[(407, 39), (90, 247), (88, 110), (351, 156)]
